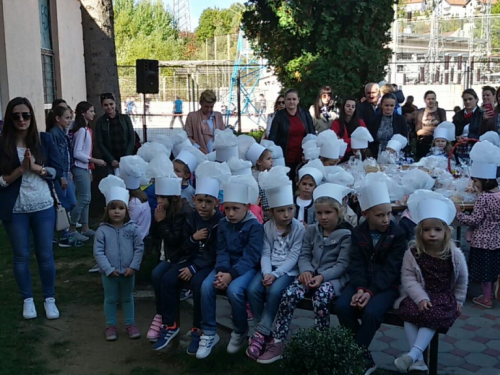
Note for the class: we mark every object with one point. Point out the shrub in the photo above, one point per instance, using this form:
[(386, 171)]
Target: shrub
[(328, 352)]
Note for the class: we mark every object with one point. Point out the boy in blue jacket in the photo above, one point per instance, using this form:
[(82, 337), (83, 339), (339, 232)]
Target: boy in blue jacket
[(239, 249)]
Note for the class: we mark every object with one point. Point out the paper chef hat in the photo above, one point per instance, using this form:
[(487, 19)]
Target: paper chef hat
[(223, 154), (225, 144), (397, 142), (132, 168), (241, 189), (168, 186), (309, 137), (239, 166), (254, 153), (426, 204), (445, 130), (278, 159), (485, 160), (192, 157), (492, 137), (337, 192), (360, 138), (310, 150), (207, 186), (166, 141), (415, 179), (343, 148), (180, 140), (149, 150), (249, 149), (113, 188), (210, 177), (160, 166), (278, 187), (372, 195), (338, 175), (314, 169), (329, 144)]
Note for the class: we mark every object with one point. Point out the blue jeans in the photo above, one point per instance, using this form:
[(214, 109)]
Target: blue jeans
[(236, 296), (264, 302), (118, 286), (41, 224), (81, 180), (158, 272)]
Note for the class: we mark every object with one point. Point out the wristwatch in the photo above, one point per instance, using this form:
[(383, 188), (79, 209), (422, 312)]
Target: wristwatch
[(43, 171)]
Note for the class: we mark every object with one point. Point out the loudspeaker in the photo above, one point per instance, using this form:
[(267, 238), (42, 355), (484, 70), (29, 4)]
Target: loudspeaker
[(147, 76)]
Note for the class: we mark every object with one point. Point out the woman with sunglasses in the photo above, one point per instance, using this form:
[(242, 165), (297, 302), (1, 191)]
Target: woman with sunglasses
[(470, 115), (114, 134), (323, 111), (279, 104), (29, 162)]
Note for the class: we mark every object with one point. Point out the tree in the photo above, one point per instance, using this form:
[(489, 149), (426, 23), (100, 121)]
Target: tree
[(216, 22), (311, 43)]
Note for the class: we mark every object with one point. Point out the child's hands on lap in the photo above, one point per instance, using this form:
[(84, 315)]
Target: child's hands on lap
[(355, 298), (316, 281), (129, 272), (160, 213), (202, 234), (268, 280), (222, 280), (424, 305), (185, 273), (115, 273), (364, 299), (305, 278)]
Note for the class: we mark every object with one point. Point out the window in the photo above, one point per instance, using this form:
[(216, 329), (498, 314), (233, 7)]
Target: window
[(48, 70)]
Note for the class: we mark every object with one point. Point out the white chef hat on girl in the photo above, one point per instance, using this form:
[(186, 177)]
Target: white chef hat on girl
[(278, 187), (114, 189), (427, 204), (225, 144), (445, 130), (485, 158)]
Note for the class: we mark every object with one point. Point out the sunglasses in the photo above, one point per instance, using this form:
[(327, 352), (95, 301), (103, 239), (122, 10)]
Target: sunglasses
[(16, 116), (281, 102), (107, 96)]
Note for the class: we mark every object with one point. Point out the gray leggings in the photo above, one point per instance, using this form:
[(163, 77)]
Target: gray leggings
[(81, 179)]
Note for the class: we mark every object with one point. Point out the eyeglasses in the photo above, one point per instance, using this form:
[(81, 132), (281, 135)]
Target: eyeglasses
[(281, 102), (16, 116), (107, 95)]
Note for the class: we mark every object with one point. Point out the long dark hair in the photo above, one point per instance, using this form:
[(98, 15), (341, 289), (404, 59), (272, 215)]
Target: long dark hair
[(80, 110), (8, 140), (353, 124), (49, 119), (319, 104), (57, 112), (139, 194), (276, 102)]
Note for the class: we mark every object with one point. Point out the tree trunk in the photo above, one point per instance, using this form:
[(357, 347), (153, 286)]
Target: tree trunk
[(100, 52)]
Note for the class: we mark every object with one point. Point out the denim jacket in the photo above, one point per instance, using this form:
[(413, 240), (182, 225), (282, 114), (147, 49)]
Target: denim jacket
[(61, 141)]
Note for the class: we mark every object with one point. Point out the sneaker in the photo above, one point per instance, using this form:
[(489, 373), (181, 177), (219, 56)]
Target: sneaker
[(497, 289), (418, 366), (249, 313), (29, 310), (481, 301), (55, 241), (166, 335), (78, 225), (111, 333), (206, 345), (257, 346), (154, 328), (133, 332), (236, 342), (185, 294), (95, 269), (89, 233), (274, 352), (370, 366), (195, 341), (51, 311), (78, 236), (70, 242), (403, 363)]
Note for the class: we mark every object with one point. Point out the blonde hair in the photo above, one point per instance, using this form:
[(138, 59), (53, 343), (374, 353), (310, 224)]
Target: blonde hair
[(208, 96), (418, 244), (334, 204), (386, 89)]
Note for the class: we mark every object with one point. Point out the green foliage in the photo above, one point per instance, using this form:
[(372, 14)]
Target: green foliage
[(257, 134), (329, 352), (311, 43), (215, 22)]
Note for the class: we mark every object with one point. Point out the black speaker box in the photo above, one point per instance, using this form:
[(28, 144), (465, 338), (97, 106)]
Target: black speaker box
[(147, 76)]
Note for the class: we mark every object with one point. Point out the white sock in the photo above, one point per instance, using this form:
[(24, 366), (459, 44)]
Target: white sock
[(424, 337)]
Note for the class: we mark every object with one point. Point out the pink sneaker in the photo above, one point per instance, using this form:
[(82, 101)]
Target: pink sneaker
[(111, 333), (274, 352), (257, 346), (249, 312), (154, 329), (133, 332)]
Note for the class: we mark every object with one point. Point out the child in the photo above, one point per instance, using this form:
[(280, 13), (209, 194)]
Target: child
[(378, 246), (282, 243), (167, 237), (444, 134), (239, 248), (131, 170), (200, 231), (330, 146), (118, 250), (484, 256), (433, 277), (359, 143), (309, 179), (186, 162), (323, 263)]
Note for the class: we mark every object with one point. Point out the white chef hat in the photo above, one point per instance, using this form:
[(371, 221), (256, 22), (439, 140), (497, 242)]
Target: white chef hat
[(343, 148), (337, 192), (313, 168), (149, 150), (211, 156), (329, 144), (426, 204), (165, 140), (132, 168), (191, 156), (310, 149), (249, 149), (397, 142), (113, 188), (277, 185), (485, 160), (239, 166), (212, 176), (180, 140), (277, 152), (360, 138), (415, 179), (241, 189), (168, 186), (160, 166), (225, 144), (338, 175), (372, 195), (445, 130), (492, 137), (309, 137)]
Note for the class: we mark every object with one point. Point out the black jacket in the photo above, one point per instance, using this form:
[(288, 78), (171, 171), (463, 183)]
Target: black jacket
[(474, 122), (399, 126), (204, 252), (281, 126), (366, 113), (103, 138), (376, 269)]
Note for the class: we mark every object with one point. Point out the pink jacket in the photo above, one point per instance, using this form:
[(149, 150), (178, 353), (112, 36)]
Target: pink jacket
[(485, 220), (413, 283), (199, 132)]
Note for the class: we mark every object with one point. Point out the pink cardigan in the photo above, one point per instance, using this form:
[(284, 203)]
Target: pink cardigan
[(413, 283), (199, 132)]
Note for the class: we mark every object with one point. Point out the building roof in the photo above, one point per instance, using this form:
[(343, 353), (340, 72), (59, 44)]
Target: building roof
[(457, 2)]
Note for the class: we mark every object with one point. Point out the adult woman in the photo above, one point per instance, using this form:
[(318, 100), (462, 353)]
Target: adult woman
[(472, 116), (83, 164), (29, 163), (426, 121), (289, 127), (347, 122), (322, 112), (491, 115), (279, 104), (386, 124), (114, 133), (201, 125)]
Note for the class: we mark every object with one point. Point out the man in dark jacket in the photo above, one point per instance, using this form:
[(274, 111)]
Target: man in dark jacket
[(366, 110)]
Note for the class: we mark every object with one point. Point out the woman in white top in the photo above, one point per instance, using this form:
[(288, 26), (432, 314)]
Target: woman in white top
[(279, 104)]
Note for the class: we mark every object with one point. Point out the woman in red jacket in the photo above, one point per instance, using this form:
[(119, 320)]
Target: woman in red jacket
[(347, 123)]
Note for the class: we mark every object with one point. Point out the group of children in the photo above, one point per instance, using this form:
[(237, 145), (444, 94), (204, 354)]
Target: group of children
[(308, 246)]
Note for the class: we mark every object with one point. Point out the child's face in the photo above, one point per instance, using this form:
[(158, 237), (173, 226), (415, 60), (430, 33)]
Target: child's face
[(265, 162), (440, 143), (432, 233), (476, 184), (329, 162), (283, 215), (235, 212), (390, 150), (180, 171), (162, 200), (379, 217), (327, 215), (117, 211), (205, 205), (306, 187)]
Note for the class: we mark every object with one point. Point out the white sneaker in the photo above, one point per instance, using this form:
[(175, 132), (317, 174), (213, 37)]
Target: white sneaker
[(29, 310), (237, 342), (94, 269), (206, 345), (51, 311)]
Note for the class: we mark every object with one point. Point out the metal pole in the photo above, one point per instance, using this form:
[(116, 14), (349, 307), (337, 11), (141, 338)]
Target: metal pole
[(144, 125), (238, 98), (194, 94), (189, 91), (228, 43), (215, 48)]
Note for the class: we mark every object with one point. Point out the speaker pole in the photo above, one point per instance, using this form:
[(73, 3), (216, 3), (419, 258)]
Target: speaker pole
[(238, 98), (144, 126)]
